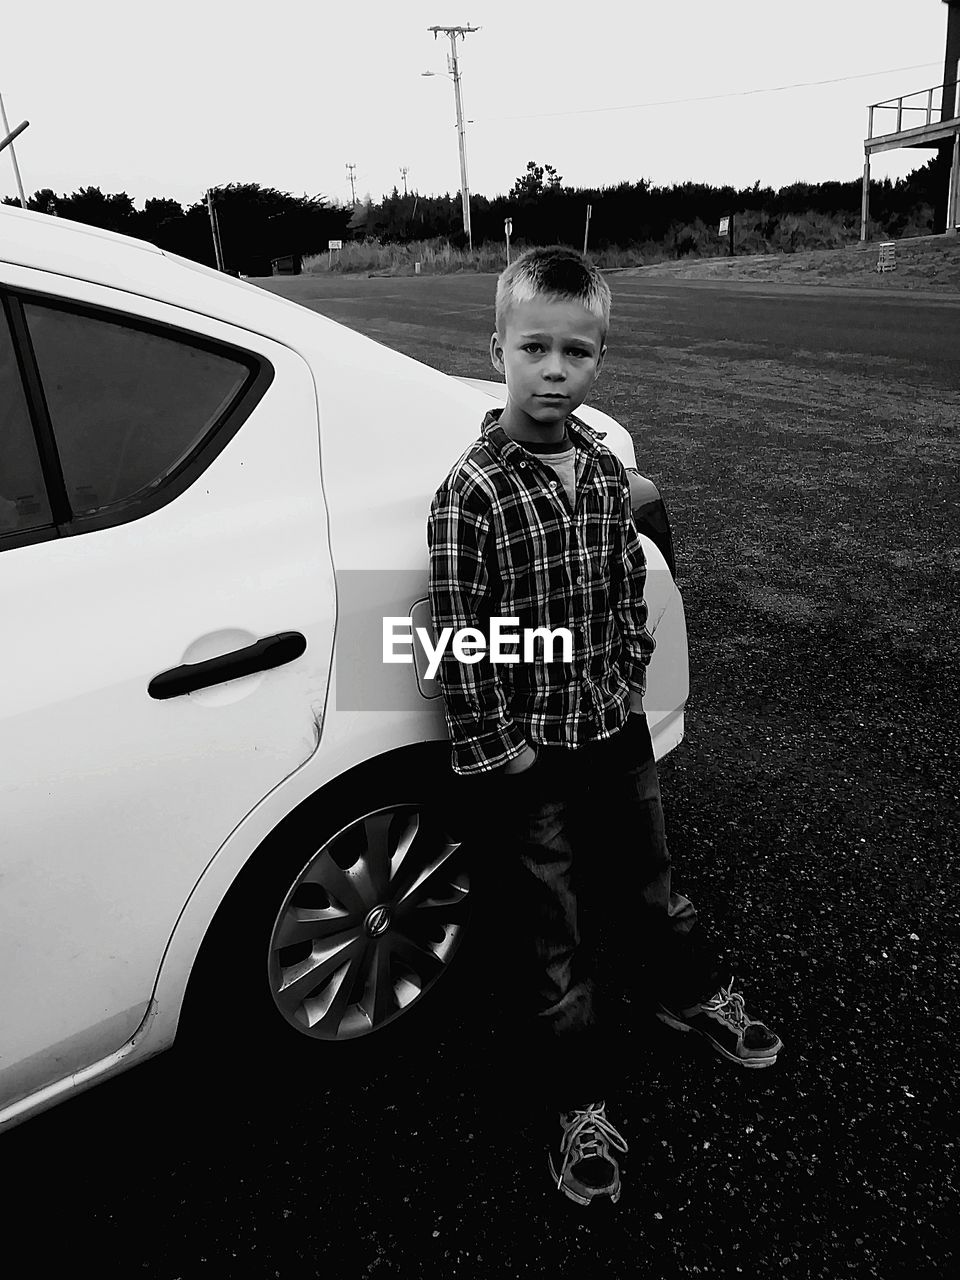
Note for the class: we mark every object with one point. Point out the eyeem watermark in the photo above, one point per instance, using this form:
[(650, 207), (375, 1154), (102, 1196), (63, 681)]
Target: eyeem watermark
[(471, 645), (384, 641)]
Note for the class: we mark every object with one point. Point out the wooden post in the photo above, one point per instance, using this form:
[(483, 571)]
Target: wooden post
[(953, 190), (865, 202), (507, 228), (586, 229)]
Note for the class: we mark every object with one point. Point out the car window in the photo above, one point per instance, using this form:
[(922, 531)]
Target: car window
[(23, 495), (127, 404)]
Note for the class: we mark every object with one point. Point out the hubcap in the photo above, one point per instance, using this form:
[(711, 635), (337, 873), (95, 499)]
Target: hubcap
[(378, 921), (369, 925)]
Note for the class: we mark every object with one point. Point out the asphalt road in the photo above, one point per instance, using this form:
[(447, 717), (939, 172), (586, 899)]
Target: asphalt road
[(914, 335), (812, 812)]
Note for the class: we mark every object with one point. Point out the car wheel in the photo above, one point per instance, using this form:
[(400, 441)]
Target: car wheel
[(368, 925), (338, 930)]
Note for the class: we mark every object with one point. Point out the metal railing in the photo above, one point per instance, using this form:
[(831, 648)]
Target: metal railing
[(933, 103)]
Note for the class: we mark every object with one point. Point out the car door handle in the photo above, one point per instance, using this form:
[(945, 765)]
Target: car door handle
[(272, 651)]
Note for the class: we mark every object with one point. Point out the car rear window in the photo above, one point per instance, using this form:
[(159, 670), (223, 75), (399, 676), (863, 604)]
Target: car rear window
[(127, 404), (23, 496)]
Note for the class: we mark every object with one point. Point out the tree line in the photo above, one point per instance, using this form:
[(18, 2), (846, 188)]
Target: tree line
[(258, 224), (544, 211)]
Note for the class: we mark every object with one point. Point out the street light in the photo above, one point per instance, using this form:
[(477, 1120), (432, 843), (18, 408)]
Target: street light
[(453, 32)]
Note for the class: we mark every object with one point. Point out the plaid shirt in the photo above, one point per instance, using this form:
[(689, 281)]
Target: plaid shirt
[(505, 543)]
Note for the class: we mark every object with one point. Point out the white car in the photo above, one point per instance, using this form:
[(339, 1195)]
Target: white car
[(203, 486)]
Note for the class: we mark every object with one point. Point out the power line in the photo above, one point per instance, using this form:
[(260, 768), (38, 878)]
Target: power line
[(709, 97)]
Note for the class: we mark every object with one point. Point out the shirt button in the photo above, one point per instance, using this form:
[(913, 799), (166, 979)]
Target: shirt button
[(553, 484)]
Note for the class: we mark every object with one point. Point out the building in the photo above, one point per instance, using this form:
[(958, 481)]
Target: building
[(929, 118)]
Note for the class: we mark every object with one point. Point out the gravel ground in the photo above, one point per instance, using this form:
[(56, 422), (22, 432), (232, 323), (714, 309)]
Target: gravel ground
[(813, 815), (813, 807)]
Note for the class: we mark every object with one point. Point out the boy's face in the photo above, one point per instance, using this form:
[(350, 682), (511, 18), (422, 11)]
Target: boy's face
[(550, 354)]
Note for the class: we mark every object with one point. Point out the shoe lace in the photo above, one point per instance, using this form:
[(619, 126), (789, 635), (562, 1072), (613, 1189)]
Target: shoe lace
[(585, 1136), (729, 1004)]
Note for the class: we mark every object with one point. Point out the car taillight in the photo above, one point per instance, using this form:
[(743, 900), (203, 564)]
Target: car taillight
[(650, 515)]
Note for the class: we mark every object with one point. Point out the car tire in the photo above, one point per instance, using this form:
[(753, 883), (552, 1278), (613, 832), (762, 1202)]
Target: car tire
[(333, 941)]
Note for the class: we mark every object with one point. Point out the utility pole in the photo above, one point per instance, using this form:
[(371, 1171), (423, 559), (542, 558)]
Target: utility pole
[(453, 32), (403, 174), (215, 229), (13, 154), (351, 174)]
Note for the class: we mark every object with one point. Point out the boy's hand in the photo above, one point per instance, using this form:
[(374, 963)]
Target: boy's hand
[(522, 762), (636, 703)]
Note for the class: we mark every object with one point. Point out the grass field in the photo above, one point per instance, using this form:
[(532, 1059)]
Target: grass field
[(808, 452), (923, 262)]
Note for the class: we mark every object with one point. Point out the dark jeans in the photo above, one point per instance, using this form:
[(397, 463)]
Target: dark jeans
[(577, 841)]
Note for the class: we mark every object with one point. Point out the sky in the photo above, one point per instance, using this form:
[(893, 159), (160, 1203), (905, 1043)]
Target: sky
[(287, 94)]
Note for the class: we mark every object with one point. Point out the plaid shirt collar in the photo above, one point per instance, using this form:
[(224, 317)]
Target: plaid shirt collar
[(508, 450)]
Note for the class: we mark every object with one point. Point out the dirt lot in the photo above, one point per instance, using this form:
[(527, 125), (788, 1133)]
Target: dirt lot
[(807, 443)]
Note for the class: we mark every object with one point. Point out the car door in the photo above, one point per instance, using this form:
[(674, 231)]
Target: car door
[(161, 508)]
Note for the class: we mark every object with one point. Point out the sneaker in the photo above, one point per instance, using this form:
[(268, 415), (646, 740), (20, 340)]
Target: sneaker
[(585, 1166), (725, 1023)]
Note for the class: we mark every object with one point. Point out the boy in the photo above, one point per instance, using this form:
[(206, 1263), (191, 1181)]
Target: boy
[(533, 523)]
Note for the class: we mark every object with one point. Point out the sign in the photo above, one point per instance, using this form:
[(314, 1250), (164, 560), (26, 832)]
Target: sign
[(887, 261), (334, 244), (508, 226), (724, 226)]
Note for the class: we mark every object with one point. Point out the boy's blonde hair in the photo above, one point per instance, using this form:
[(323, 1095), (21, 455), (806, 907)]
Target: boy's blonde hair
[(556, 272)]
